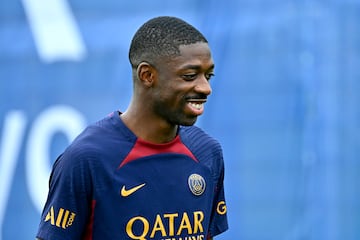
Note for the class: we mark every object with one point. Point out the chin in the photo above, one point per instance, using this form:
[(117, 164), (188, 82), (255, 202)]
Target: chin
[(188, 122)]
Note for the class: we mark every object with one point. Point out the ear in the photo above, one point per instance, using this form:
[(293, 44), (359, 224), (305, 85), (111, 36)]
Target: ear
[(146, 73)]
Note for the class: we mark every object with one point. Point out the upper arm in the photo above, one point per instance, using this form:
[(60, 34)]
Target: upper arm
[(67, 207)]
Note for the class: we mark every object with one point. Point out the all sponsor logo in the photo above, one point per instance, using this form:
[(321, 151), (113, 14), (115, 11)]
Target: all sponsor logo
[(62, 218)]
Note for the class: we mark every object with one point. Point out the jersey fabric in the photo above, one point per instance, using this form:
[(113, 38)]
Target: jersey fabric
[(109, 184)]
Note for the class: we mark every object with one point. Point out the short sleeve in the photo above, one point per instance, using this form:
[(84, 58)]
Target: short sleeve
[(209, 152), (218, 222), (68, 204)]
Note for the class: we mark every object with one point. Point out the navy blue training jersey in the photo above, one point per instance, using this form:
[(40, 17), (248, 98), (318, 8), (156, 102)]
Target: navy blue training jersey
[(109, 184)]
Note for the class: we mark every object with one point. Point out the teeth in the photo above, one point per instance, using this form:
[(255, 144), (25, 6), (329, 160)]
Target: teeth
[(198, 106)]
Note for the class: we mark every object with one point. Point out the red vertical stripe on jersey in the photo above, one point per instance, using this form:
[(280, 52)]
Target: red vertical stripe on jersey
[(88, 234)]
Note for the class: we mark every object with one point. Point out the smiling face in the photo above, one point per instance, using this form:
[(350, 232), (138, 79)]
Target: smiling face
[(182, 85)]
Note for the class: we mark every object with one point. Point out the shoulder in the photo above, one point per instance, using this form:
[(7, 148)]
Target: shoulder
[(102, 136), (204, 147), (196, 139), (97, 142)]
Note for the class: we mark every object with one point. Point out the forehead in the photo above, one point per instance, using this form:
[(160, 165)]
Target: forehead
[(195, 50), (197, 54)]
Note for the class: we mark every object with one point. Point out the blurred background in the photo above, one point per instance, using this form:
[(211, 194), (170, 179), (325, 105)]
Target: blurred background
[(284, 104)]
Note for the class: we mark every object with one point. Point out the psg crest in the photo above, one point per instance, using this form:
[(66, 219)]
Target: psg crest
[(196, 184)]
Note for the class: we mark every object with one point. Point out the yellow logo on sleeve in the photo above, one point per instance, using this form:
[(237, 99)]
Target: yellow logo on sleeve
[(221, 208), (63, 218)]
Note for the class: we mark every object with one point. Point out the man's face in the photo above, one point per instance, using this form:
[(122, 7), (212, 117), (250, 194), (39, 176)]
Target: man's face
[(183, 84)]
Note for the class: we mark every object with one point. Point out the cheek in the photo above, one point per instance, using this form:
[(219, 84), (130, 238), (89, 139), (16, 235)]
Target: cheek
[(169, 101), (171, 89), (170, 92)]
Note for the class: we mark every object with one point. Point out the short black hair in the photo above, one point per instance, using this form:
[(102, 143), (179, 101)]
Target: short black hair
[(161, 37)]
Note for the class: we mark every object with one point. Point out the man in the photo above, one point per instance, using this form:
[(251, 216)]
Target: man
[(146, 173)]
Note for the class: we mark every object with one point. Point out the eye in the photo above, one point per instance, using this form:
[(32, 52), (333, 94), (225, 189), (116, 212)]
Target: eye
[(209, 75), (189, 77)]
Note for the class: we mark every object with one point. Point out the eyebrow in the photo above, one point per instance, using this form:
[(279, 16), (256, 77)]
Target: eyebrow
[(195, 67)]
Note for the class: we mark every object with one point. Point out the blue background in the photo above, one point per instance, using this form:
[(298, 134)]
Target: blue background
[(285, 105)]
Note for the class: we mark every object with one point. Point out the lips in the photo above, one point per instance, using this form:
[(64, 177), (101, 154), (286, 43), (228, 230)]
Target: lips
[(196, 107), (195, 103)]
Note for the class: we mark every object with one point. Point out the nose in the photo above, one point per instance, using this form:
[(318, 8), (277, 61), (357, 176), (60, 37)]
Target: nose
[(203, 85)]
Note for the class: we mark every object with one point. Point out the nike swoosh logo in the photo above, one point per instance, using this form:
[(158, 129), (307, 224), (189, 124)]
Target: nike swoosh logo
[(126, 193)]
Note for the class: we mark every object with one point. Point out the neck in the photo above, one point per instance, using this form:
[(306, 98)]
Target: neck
[(148, 128)]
